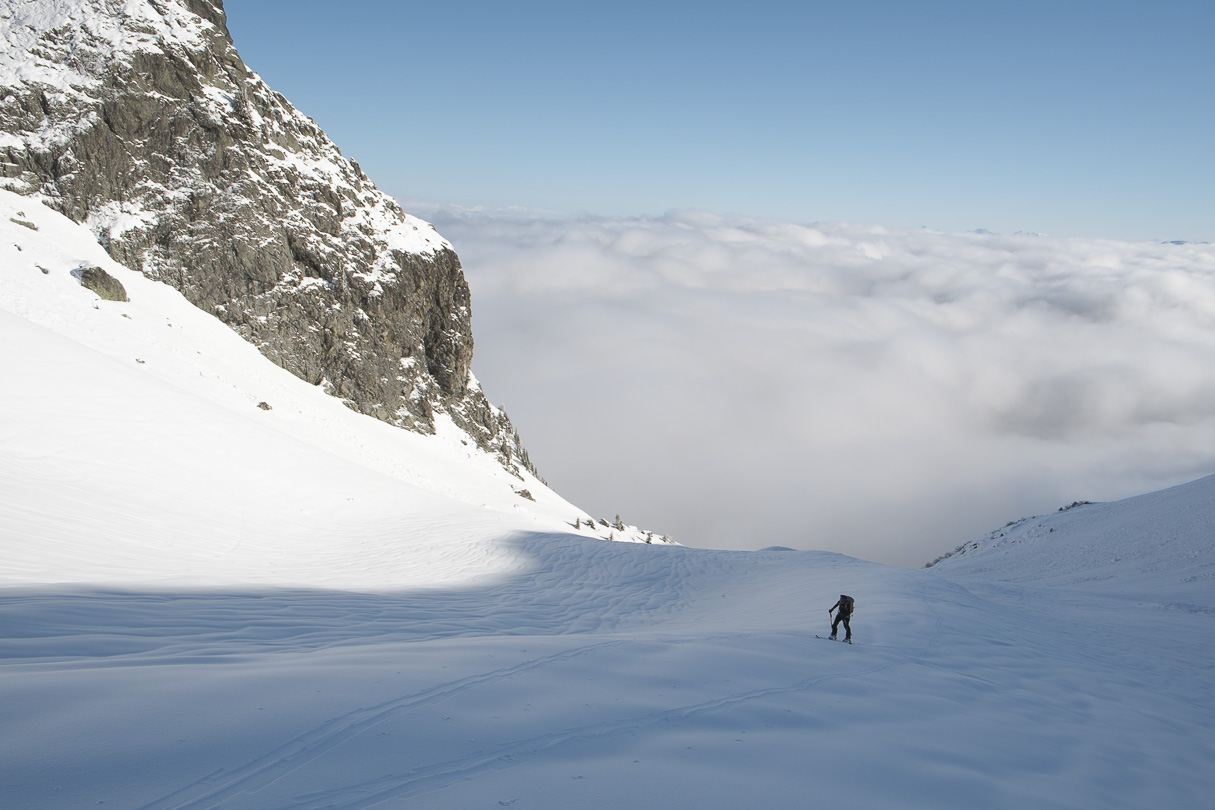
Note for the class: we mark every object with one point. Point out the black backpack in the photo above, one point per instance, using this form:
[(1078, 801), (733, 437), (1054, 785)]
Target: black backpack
[(847, 603)]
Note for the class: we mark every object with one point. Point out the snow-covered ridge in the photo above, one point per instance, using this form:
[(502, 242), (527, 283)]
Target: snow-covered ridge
[(1160, 544), (141, 120), (64, 45), (66, 48)]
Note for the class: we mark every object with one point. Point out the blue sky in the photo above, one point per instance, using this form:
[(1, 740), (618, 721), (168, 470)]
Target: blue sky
[(1074, 119)]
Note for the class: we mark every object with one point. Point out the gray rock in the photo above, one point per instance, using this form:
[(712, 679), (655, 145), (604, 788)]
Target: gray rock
[(191, 170), (102, 283)]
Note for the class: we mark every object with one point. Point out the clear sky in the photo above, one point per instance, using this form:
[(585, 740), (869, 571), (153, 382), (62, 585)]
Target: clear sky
[(1068, 118)]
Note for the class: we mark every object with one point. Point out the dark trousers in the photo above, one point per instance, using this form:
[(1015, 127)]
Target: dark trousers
[(840, 617)]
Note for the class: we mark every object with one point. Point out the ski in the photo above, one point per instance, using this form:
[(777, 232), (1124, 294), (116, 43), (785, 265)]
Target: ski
[(828, 638)]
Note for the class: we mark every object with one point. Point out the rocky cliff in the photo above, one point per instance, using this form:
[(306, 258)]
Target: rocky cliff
[(139, 118)]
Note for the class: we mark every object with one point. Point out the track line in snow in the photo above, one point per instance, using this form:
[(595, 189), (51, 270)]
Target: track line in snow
[(312, 744), (215, 789), (440, 775)]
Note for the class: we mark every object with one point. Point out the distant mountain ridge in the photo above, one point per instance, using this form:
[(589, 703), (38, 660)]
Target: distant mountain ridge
[(141, 120), (1160, 544)]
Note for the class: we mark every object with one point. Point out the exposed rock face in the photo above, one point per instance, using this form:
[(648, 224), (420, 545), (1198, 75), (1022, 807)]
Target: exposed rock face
[(139, 118), (102, 283)]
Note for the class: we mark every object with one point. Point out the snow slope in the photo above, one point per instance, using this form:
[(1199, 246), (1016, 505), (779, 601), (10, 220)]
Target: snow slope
[(204, 604), (135, 429), (1155, 546)]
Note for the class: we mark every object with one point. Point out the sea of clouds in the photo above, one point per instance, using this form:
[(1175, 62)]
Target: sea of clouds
[(740, 382)]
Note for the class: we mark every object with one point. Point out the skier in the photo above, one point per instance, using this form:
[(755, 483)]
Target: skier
[(845, 605)]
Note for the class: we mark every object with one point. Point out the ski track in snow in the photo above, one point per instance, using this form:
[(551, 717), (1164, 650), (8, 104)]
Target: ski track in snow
[(318, 741), (214, 789), (321, 739), (437, 776)]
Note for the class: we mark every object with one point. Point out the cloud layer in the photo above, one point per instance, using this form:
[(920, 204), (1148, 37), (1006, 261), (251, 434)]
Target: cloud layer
[(739, 382)]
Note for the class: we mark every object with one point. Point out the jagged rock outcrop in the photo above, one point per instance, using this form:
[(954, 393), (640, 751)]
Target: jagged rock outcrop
[(139, 118), (102, 283)]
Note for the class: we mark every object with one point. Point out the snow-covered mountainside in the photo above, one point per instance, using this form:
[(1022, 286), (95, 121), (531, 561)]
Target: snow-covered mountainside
[(142, 439), (1159, 546), (220, 588), (140, 119)]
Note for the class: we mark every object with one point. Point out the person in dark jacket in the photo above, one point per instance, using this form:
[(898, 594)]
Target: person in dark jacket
[(845, 607)]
